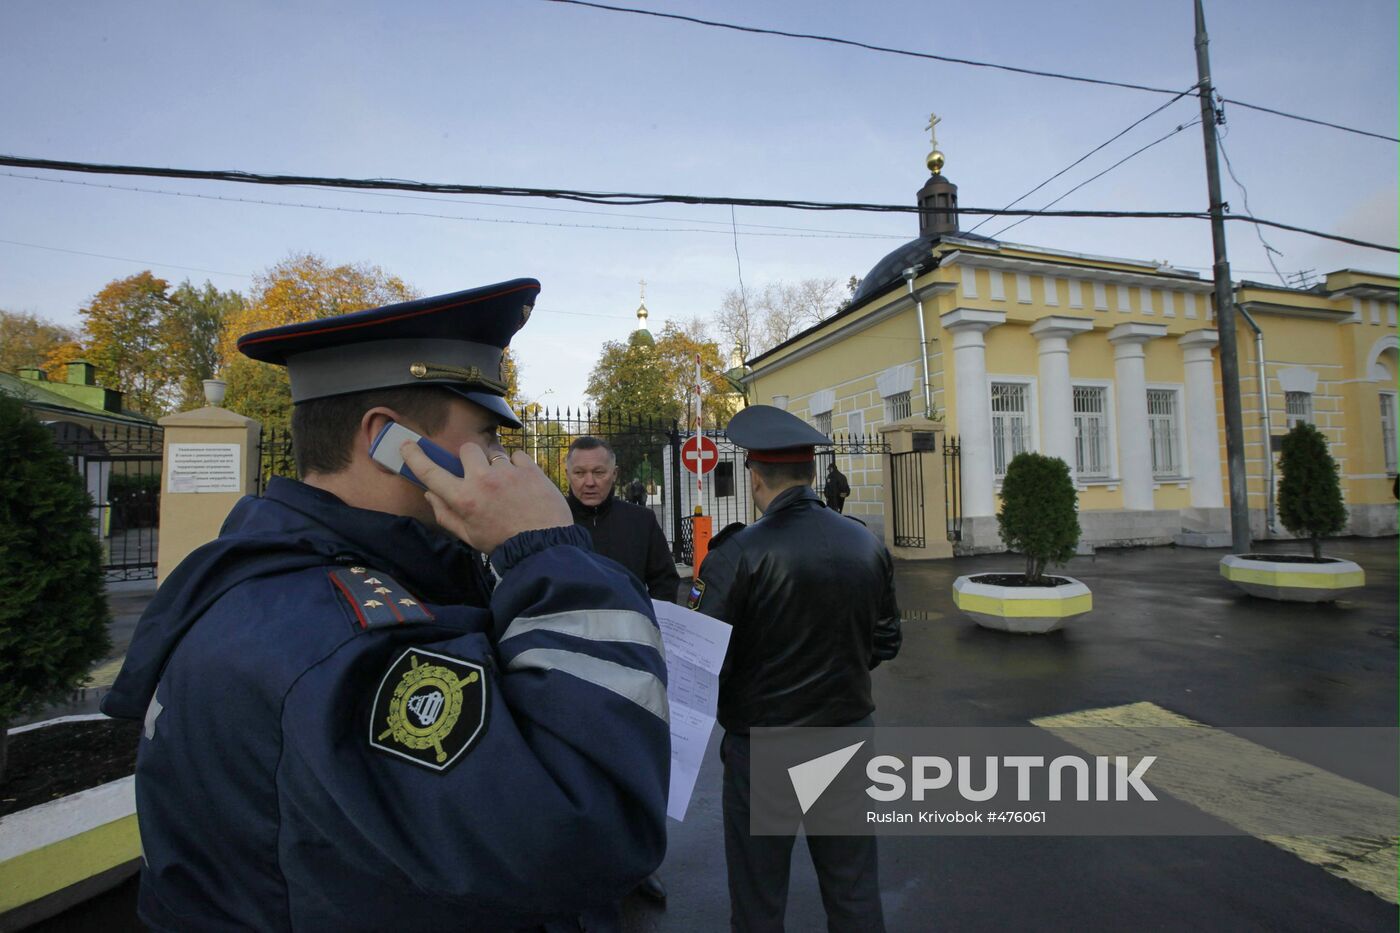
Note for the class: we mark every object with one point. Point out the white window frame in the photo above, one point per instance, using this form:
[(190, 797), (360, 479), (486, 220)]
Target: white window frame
[(1110, 445), (893, 406), (1032, 415), (855, 423), (1388, 431), (1305, 403), (822, 422), (1177, 429)]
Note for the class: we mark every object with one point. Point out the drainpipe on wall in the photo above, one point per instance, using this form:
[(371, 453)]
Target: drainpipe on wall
[(1269, 509), (923, 340)]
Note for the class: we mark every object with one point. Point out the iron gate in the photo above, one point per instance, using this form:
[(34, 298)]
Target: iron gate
[(120, 467), (907, 498), (952, 487)]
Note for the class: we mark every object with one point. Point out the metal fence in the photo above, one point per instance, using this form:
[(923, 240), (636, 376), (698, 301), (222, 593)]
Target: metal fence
[(120, 467), (648, 450), (907, 498), (952, 487)]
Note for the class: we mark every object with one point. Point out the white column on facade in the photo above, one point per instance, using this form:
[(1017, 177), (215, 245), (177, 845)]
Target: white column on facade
[(1202, 431), (1134, 436), (968, 327), (1053, 335)]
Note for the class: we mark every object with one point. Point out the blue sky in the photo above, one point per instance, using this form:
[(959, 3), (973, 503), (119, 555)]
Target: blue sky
[(525, 92)]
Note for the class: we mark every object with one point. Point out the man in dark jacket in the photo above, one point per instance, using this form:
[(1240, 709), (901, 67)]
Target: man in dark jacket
[(836, 488), (350, 721), (810, 595), (627, 533)]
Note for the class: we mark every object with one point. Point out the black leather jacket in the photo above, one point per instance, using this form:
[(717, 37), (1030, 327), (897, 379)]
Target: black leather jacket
[(810, 594)]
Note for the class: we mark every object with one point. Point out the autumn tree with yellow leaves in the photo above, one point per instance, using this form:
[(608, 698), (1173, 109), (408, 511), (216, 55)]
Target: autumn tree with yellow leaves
[(301, 288)]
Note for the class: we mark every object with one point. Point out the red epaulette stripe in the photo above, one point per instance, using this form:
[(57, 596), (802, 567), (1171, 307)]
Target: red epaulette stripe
[(354, 604), (384, 320)]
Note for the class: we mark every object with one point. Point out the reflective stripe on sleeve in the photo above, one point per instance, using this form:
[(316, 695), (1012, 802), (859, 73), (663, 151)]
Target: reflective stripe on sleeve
[(640, 687), (622, 625)]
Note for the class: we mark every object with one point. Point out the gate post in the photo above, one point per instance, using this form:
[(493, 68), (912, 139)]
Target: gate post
[(210, 461), (925, 437)]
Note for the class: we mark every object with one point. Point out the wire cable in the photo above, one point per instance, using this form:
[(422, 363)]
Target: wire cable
[(627, 198), (1269, 250), (140, 262), (951, 60), (1086, 155), (1104, 172), (485, 220)]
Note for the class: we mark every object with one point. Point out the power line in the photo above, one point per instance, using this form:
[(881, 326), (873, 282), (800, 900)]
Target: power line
[(1104, 172), (951, 60), (1086, 155), (1294, 116), (575, 210), (864, 45), (1269, 251), (485, 220), (139, 262), (625, 198)]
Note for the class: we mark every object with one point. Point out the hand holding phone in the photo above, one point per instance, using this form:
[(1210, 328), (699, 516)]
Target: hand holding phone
[(384, 450), (486, 499)]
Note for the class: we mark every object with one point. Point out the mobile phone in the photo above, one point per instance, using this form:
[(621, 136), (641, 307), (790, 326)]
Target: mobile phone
[(385, 451)]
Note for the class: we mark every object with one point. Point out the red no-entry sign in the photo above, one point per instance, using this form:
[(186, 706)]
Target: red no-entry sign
[(699, 454)]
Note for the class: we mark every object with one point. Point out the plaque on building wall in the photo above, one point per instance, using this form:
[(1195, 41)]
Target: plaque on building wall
[(205, 468), (925, 440)]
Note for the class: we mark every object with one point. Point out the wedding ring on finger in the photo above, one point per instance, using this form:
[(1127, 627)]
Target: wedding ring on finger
[(494, 460)]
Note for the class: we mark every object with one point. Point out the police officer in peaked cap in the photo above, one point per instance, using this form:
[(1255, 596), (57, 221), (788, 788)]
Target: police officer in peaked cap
[(810, 594), (351, 722)]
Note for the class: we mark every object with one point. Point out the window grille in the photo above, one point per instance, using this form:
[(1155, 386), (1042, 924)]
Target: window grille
[(1010, 424), (823, 423), (1299, 407), (1091, 452), (1388, 429), (897, 406), (1161, 420)]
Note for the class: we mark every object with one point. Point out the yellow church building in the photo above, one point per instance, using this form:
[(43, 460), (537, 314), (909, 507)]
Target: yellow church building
[(1112, 365)]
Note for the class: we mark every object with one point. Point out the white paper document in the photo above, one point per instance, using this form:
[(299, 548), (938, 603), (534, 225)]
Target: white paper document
[(695, 646)]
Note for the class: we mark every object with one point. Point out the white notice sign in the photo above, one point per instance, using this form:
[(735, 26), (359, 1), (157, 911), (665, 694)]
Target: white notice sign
[(205, 468)]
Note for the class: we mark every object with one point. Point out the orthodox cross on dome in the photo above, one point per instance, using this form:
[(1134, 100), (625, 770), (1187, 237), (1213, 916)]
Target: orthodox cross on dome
[(932, 127), (642, 308)]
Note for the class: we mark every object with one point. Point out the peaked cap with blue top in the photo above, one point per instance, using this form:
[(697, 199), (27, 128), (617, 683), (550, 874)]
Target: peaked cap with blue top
[(454, 341)]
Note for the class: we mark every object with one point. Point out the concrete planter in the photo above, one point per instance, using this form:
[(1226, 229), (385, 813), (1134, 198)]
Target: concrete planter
[(65, 851), (1292, 581), (1029, 610)]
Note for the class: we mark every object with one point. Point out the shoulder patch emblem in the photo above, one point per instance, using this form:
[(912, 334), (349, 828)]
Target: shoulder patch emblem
[(697, 593), (430, 709), (376, 598)]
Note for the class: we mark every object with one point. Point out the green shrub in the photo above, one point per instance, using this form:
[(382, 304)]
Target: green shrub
[(1039, 514), (1310, 493), (53, 617)]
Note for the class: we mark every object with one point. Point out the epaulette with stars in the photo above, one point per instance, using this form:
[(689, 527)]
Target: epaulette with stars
[(376, 598)]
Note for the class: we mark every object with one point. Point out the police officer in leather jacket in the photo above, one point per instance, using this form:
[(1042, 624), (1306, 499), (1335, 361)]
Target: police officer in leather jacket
[(810, 594)]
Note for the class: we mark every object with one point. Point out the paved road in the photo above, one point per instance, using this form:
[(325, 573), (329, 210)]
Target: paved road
[(1166, 630)]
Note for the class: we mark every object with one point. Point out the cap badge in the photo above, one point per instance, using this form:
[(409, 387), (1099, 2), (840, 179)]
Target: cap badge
[(472, 375)]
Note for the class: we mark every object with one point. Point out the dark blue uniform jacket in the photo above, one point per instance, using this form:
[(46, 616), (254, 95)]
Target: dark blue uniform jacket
[(274, 794)]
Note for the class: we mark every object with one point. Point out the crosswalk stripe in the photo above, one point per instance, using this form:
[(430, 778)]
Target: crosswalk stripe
[(1246, 784)]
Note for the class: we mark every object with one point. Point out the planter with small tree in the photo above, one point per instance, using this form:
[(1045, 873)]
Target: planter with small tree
[(55, 848), (1038, 518), (1310, 507)]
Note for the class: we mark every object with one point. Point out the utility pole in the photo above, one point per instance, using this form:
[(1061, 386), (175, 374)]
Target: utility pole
[(1224, 305)]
